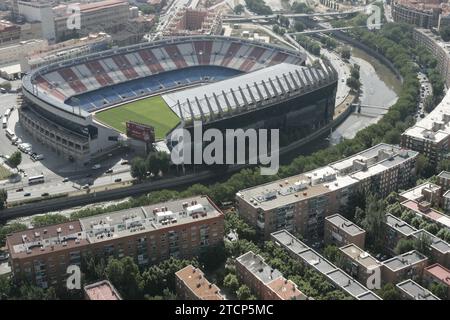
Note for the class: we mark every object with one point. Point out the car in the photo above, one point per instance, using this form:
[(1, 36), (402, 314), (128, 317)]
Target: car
[(109, 171), (422, 115), (19, 190), (96, 166), (39, 157), (124, 162), (118, 180), (65, 179), (86, 186), (4, 256), (45, 194), (27, 194)]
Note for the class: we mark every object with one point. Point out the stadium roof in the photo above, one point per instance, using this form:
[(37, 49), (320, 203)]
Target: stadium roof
[(253, 90)]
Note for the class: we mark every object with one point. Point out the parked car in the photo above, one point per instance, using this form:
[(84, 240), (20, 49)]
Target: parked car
[(27, 194), (109, 171), (45, 194), (86, 186), (19, 190), (96, 166), (124, 162), (65, 179), (4, 256), (118, 180)]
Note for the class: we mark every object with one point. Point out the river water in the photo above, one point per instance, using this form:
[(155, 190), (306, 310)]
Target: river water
[(379, 90)]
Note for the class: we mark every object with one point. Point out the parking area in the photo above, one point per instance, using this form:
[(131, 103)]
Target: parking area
[(60, 176), (425, 90)]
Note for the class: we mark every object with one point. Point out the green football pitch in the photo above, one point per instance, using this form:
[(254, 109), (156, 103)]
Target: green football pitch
[(151, 111)]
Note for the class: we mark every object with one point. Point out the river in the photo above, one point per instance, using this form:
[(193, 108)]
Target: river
[(380, 89)]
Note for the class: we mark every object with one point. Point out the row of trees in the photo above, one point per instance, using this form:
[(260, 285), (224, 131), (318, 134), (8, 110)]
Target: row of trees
[(258, 7), (155, 163)]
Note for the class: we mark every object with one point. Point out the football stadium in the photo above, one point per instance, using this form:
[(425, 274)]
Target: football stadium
[(79, 108)]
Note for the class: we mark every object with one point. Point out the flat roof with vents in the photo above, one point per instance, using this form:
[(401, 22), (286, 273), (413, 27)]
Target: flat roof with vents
[(415, 291), (345, 224), (405, 260)]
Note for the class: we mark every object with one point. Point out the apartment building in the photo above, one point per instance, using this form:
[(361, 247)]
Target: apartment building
[(102, 290), (65, 50), (340, 231), (408, 265), (439, 275), (42, 12), (411, 290), (301, 203), (267, 283), (427, 191), (444, 180), (191, 284), (423, 14), (426, 211), (438, 49), (358, 263), (14, 54), (9, 32), (188, 21), (310, 258), (180, 228), (398, 229), (109, 16)]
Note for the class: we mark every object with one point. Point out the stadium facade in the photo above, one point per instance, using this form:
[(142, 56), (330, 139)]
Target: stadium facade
[(225, 82)]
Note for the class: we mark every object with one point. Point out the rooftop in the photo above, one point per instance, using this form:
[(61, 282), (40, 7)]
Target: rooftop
[(345, 224), (435, 127), (195, 280), (286, 289), (417, 193), (326, 268), (337, 175), (118, 224), (436, 242), (102, 290), (416, 291), (399, 225), (404, 260), (42, 240), (444, 174), (104, 227), (256, 265), (427, 212), (439, 272), (360, 256), (253, 89)]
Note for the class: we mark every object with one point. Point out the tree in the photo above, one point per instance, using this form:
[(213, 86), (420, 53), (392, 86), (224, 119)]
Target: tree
[(424, 169), (299, 26), (439, 290), (333, 254), (15, 159), (238, 9), (231, 282), (389, 292), (375, 222), (423, 244), (445, 33), (138, 168), (125, 276), (404, 245), (48, 219), (345, 53), (3, 198), (428, 103), (243, 293)]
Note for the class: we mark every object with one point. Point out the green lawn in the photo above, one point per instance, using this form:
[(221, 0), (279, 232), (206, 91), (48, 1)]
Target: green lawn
[(152, 111)]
